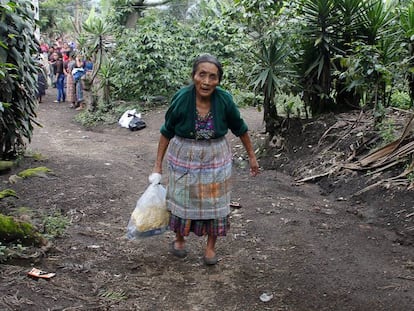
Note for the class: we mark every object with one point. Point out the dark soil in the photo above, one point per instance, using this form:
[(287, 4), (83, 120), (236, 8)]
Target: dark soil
[(307, 246)]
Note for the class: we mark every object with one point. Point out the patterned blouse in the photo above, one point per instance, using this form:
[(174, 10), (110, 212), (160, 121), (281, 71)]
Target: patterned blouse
[(204, 126)]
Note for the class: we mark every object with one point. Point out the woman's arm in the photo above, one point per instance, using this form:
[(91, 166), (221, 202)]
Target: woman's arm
[(254, 166), (162, 148)]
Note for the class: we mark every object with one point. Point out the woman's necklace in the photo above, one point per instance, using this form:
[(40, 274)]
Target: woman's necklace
[(203, 109)]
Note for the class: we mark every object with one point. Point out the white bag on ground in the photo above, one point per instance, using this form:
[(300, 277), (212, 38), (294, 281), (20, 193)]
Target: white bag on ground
[(150, 216), (127, 116)]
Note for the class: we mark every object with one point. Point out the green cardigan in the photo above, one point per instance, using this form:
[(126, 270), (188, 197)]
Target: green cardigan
[(181, 115)]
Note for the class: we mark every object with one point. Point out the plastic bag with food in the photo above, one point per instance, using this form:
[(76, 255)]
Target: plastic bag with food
[(150, 216)]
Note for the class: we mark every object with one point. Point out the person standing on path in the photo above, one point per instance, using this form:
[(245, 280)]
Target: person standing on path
[(200, 158), (70, 82), (58, 69), (77, 73), (41, 82), (51, 61)]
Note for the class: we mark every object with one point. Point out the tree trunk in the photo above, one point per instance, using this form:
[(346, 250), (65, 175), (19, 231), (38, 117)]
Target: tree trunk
[(411, 87), (270, 114), (346, 100), (132, 20), (410, 77)]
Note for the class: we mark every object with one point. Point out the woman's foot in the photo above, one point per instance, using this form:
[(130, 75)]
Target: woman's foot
[(210, 257), (209, 253), (80, 105), (178, 249), (210, 261)]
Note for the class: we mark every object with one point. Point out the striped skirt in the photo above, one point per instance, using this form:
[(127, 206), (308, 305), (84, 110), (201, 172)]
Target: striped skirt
[(199, 181)]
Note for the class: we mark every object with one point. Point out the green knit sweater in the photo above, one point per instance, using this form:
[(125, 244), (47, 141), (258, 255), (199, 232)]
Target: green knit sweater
[(181, 115)]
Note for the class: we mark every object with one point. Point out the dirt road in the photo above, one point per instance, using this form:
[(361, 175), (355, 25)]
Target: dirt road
[(288, 244)]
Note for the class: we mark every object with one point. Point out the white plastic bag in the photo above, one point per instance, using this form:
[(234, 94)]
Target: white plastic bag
[(127, 116), (150, 216)]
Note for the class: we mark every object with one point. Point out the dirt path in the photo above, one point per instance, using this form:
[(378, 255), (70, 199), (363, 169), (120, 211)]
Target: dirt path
[(303, 250)]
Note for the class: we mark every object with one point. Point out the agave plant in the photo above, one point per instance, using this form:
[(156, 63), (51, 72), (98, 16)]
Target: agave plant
[(269, 76), (319, 18), (97, 33), (105, 74)]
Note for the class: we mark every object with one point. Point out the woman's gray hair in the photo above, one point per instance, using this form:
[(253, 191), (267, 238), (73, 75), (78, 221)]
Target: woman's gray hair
[(207, 58)]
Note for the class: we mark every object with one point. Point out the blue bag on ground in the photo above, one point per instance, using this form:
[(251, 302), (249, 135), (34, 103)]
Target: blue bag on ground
[(150, 216), (136, 124)]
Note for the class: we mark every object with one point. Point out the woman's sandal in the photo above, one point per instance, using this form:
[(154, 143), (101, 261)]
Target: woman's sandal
[(180, 253)]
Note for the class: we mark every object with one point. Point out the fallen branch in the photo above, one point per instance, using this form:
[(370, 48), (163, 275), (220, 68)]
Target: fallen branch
[(408, 277), (343, 136), (407, 171), (388, 149), (314, 177), (402, 110)]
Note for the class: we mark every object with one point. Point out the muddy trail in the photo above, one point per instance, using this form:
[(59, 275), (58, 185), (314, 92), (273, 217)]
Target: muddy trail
[(290, 247)]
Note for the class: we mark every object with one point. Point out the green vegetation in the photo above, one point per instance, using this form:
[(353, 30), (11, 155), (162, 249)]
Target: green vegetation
[(410, 177), (10, 251), (35, 155), (7, 193), (12, 230), (401, 99), (6, 165), (40, 171), (332, 55), (55, 226), (18, 77), (116, 295), (386, 130)]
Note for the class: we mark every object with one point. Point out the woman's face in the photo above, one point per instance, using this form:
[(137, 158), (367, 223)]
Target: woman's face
[(205, 79)]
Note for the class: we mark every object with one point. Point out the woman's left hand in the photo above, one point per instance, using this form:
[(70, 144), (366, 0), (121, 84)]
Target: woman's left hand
[(254, 167)]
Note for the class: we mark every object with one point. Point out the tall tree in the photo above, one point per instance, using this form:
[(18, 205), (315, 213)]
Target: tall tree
[(270, 75), (319, 17), (59, 17), (137, 7), (348, 28)]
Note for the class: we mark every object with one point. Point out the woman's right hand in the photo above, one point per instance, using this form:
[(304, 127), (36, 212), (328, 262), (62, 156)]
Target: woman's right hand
[(157, 169)]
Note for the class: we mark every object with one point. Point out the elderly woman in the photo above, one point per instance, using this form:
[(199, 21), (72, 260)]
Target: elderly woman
[(199, 157)]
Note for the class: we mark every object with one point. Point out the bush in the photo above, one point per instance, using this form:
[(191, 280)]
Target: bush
[(401, 100), (55, 226)]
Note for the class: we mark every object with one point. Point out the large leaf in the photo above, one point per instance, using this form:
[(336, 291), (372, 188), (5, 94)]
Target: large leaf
[(18, 80)]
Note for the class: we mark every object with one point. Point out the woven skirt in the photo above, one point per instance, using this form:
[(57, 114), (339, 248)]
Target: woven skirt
[(70, 89), (199, 178)]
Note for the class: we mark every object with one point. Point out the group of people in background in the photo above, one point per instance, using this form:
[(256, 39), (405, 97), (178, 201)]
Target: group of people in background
[(63, 69)]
